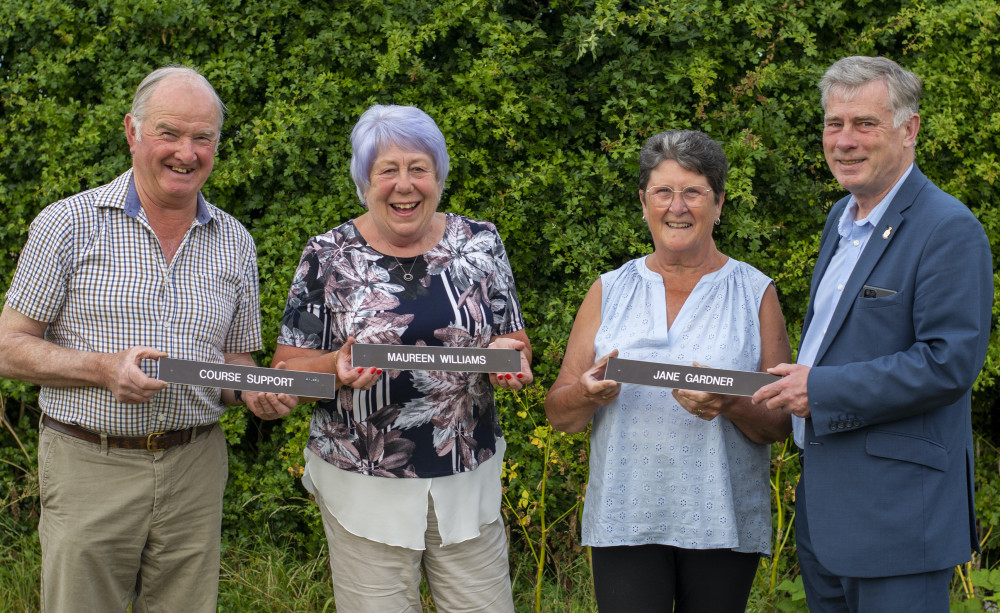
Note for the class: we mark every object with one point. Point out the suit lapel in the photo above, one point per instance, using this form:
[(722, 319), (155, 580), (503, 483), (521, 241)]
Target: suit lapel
[(881, 237)]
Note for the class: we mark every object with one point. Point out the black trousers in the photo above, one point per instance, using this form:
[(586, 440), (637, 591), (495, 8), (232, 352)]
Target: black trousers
[(665, 579)]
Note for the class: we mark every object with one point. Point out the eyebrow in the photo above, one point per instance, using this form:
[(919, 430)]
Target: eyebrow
[(172, 128), (870, 118)]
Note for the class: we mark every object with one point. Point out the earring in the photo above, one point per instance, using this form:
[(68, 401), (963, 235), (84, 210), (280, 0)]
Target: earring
[(718, 221)]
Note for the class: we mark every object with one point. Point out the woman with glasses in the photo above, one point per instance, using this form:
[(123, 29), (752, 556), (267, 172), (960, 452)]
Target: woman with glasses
[(678, 510)]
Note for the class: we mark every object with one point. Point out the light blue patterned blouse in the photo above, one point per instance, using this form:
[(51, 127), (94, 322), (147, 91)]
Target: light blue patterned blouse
[(659, 475)]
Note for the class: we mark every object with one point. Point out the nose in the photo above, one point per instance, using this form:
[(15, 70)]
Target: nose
[(677, 205), (403, 181), (846, 138), (185, 150)]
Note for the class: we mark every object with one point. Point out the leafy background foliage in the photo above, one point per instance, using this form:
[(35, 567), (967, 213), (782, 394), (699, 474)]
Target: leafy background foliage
[(544, 106)]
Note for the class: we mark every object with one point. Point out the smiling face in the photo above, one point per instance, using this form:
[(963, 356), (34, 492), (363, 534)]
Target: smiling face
[(403, 196), (175, 150), (866, 154), (679, 229)]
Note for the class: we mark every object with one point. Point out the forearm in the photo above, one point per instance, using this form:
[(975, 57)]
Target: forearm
[(758, 423), (325, 363), (35, 360), (568, 408)]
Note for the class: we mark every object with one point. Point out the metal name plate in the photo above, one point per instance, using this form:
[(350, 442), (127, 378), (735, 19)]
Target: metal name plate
[(248, 378), (452, 359), (717, 381)]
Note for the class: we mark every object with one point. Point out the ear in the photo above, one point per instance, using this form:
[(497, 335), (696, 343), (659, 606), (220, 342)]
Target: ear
[(911, 127), (130, 132), (722, 198), (642, 199)]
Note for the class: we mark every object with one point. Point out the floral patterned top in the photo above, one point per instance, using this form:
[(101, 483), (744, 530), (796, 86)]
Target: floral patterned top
[(415, 424)]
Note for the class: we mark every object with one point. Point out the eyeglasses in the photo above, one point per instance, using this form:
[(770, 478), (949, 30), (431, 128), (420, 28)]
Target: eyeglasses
[(663, 195)]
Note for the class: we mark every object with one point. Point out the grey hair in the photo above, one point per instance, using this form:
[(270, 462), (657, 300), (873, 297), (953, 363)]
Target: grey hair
[(408, 127), (145, 91), (852, 73), (694, 151)]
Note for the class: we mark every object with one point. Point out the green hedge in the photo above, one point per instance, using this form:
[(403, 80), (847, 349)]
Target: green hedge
[(544, 106)]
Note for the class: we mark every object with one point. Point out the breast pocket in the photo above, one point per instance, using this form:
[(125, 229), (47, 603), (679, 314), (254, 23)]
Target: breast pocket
[(874, 298)]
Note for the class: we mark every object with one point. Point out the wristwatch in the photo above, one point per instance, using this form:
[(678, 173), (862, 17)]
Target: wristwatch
[(239, 396)]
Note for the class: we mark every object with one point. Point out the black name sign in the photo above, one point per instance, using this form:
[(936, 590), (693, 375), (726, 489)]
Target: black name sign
[(248, 378), (453, 359), (717, 381)]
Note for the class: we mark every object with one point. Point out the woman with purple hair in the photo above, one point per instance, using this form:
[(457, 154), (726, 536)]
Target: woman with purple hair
[(405, 465)]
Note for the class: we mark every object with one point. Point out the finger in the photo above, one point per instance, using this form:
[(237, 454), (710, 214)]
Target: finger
[(146, 353), (276, 406), (781, 369)]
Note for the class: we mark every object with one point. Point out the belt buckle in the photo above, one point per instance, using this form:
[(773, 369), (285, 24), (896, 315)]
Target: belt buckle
[(149, 441)]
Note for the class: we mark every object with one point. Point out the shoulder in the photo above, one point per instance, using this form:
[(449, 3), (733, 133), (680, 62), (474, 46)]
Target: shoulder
[(79, 212), (749, 272), (483, 234), (630, 269), (939, 214), (343, 235), (231, 228), (475, 225)]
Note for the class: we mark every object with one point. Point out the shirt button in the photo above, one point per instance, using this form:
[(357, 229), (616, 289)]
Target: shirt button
[(856, 242), (161, 418), (840, 287)]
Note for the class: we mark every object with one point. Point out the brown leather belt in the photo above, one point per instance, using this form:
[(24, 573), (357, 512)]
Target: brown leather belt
[(156, 441)]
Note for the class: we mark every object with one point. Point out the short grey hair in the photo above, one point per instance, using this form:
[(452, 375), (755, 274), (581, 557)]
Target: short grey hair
[(145, 91), (407, 127), (694, 151), (852, 73)]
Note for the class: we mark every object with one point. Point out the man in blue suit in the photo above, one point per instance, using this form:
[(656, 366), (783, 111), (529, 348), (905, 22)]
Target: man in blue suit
[(894, 337)]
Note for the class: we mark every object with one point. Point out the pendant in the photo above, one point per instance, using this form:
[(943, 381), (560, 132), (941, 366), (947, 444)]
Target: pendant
[(407, 276)]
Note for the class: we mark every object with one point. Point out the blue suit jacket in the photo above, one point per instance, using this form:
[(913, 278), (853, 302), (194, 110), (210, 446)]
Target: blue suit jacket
[(888, 465)]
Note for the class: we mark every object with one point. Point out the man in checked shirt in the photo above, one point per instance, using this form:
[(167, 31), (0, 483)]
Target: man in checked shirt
[(132, 470)]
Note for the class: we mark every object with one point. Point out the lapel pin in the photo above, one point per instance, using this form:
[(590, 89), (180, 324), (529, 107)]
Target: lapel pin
[(887, 232)]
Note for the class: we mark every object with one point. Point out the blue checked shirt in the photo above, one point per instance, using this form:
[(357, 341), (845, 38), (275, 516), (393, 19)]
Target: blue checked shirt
[(93, 269)]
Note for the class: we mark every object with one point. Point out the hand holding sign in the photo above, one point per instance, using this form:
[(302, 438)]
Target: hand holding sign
[(703, 405), (515, 380), (358, 377), (596, 387), (271, 406), (125, 378)]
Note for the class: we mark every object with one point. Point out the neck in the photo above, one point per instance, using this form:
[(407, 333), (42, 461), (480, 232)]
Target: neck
[(401, 247), (676, 265)]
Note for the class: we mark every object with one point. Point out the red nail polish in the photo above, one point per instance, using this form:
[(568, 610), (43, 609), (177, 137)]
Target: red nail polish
[(361, 370), (520, 376), (379, 371), (373, 370), (508, 376)]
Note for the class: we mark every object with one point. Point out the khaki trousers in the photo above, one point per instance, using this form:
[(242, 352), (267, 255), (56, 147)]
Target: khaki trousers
[(130, 526), (372, 577)]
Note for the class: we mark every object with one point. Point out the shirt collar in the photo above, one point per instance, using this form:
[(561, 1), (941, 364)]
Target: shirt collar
[(133, 205), (849, 217)]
